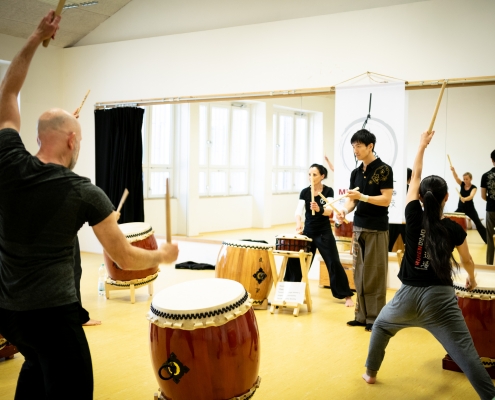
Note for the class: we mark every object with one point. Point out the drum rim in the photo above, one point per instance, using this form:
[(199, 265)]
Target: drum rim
[(476, 292), (294, 236), (248, 245)]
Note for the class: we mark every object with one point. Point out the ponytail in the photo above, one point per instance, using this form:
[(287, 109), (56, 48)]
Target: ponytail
[(439, 244)]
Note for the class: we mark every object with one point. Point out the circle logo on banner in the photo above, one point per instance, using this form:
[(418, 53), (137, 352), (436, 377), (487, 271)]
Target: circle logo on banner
[(386, 146)]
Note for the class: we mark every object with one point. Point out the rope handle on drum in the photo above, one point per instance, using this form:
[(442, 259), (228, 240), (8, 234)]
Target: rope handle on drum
[(168, 365)]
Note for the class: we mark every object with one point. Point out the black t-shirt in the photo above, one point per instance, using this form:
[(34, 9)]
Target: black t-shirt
[(488, 182), (467, 205), (317, 223), (377, 176), (42, 207), (416, 269)]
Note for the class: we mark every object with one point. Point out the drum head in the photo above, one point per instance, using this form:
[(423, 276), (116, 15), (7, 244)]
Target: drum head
[(199, 304), (134, 231), (247, 244), (484, 291)]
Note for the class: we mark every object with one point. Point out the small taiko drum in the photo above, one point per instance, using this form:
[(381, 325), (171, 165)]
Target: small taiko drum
[(204, 341), (343, 236), (139, 234), (478, 309), (247, 262), (293, 242), (458, 217)]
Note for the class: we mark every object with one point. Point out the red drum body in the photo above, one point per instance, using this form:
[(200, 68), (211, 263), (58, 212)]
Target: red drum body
[(343, 236), (478, 309), (247, 263), (139, 234), (202, 350), (458, 217), (293, 243)]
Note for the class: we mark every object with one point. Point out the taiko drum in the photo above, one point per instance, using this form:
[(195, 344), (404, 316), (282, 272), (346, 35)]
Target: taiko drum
[(458, 217), (293, 242), (204, 341), (139, 234), (247, 262)]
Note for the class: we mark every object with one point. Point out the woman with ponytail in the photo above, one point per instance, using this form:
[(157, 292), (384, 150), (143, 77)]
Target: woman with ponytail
[(426, 298)]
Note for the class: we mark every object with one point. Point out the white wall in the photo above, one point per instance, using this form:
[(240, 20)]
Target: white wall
[(426, 40)]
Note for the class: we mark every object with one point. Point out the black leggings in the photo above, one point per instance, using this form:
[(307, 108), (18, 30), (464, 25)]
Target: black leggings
[(471, 213), (325, 243)]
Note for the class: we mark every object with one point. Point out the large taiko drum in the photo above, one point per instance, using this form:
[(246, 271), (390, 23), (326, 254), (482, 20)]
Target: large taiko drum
[(343, 236), (478, 309), (204, 341), (247, 263), (139, 234), (458, 217), (293, 242)]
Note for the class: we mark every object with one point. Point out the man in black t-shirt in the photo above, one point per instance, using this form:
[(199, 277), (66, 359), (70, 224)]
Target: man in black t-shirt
[(488, 194), (375, 181), (43, 204)]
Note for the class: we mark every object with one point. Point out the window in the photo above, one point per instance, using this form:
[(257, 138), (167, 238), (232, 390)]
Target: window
[(158, 143), (224, 149), (291, 149)]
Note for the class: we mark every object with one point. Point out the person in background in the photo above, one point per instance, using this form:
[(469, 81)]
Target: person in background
[(488, 194), (394, 230)]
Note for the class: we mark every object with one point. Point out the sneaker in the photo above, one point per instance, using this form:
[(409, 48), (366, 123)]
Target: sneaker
[(356, 323), (368, 327)]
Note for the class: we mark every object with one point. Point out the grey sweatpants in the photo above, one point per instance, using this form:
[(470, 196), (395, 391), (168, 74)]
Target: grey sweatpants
[(435, 309), (370, 273)]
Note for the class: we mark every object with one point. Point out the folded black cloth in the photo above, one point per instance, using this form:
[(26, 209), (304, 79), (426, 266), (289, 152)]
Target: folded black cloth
[(193, 265)]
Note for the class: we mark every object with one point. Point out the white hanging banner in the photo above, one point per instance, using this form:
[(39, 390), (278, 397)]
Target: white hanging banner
[(387, 123)]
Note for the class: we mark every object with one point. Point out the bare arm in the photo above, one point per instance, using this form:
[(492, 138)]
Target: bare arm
[(330, 165), (483, 193), (382, 200), (126, 255), (455, 176), (17, 72), (349, 207), (467, 264), (413, 192)]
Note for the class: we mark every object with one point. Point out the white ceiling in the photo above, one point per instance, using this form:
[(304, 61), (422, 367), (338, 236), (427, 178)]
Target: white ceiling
[(118, 20)]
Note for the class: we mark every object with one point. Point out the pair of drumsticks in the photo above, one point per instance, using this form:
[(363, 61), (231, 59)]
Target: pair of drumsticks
[(330, 203)]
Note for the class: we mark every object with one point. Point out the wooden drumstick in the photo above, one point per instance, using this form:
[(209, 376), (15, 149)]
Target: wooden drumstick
[(122, 200), (341, 197), (437, 107), (332, 206), (76, 114), (312, 195), (167, 213), (459, 193), (58, 11)]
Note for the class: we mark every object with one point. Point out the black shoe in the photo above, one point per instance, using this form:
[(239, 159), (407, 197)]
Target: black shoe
[(356, 323), (368, 327)]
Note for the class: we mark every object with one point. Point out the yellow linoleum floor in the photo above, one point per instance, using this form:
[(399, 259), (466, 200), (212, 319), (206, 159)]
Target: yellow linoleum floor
[(313, 356)]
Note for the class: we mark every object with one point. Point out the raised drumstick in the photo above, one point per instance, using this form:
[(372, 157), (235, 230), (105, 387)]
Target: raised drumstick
[(167, 213), (459, 193), (332, 206), (58, 11), (437, 107), (312, 195), (76, 114), (450, 162), (122, 200), (341, 197)]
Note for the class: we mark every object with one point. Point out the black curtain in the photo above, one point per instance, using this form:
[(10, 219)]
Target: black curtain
[(119, 153)]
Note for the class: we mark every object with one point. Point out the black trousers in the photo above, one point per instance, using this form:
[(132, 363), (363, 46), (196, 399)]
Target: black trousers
[(84, 315), (57, 359), (471, 213), (325, 243), (394, 230)]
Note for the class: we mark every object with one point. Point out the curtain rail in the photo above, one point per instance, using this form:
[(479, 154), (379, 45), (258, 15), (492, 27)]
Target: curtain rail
[(414, 85)]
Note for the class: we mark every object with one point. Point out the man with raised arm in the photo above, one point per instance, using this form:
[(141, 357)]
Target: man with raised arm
[(43, 204)]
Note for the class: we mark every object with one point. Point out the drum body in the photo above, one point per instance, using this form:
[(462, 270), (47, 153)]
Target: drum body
[(139, 234), (293, 243), (247, 263), (204, 341), (343, 236), (478, 309), (458, 217)]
